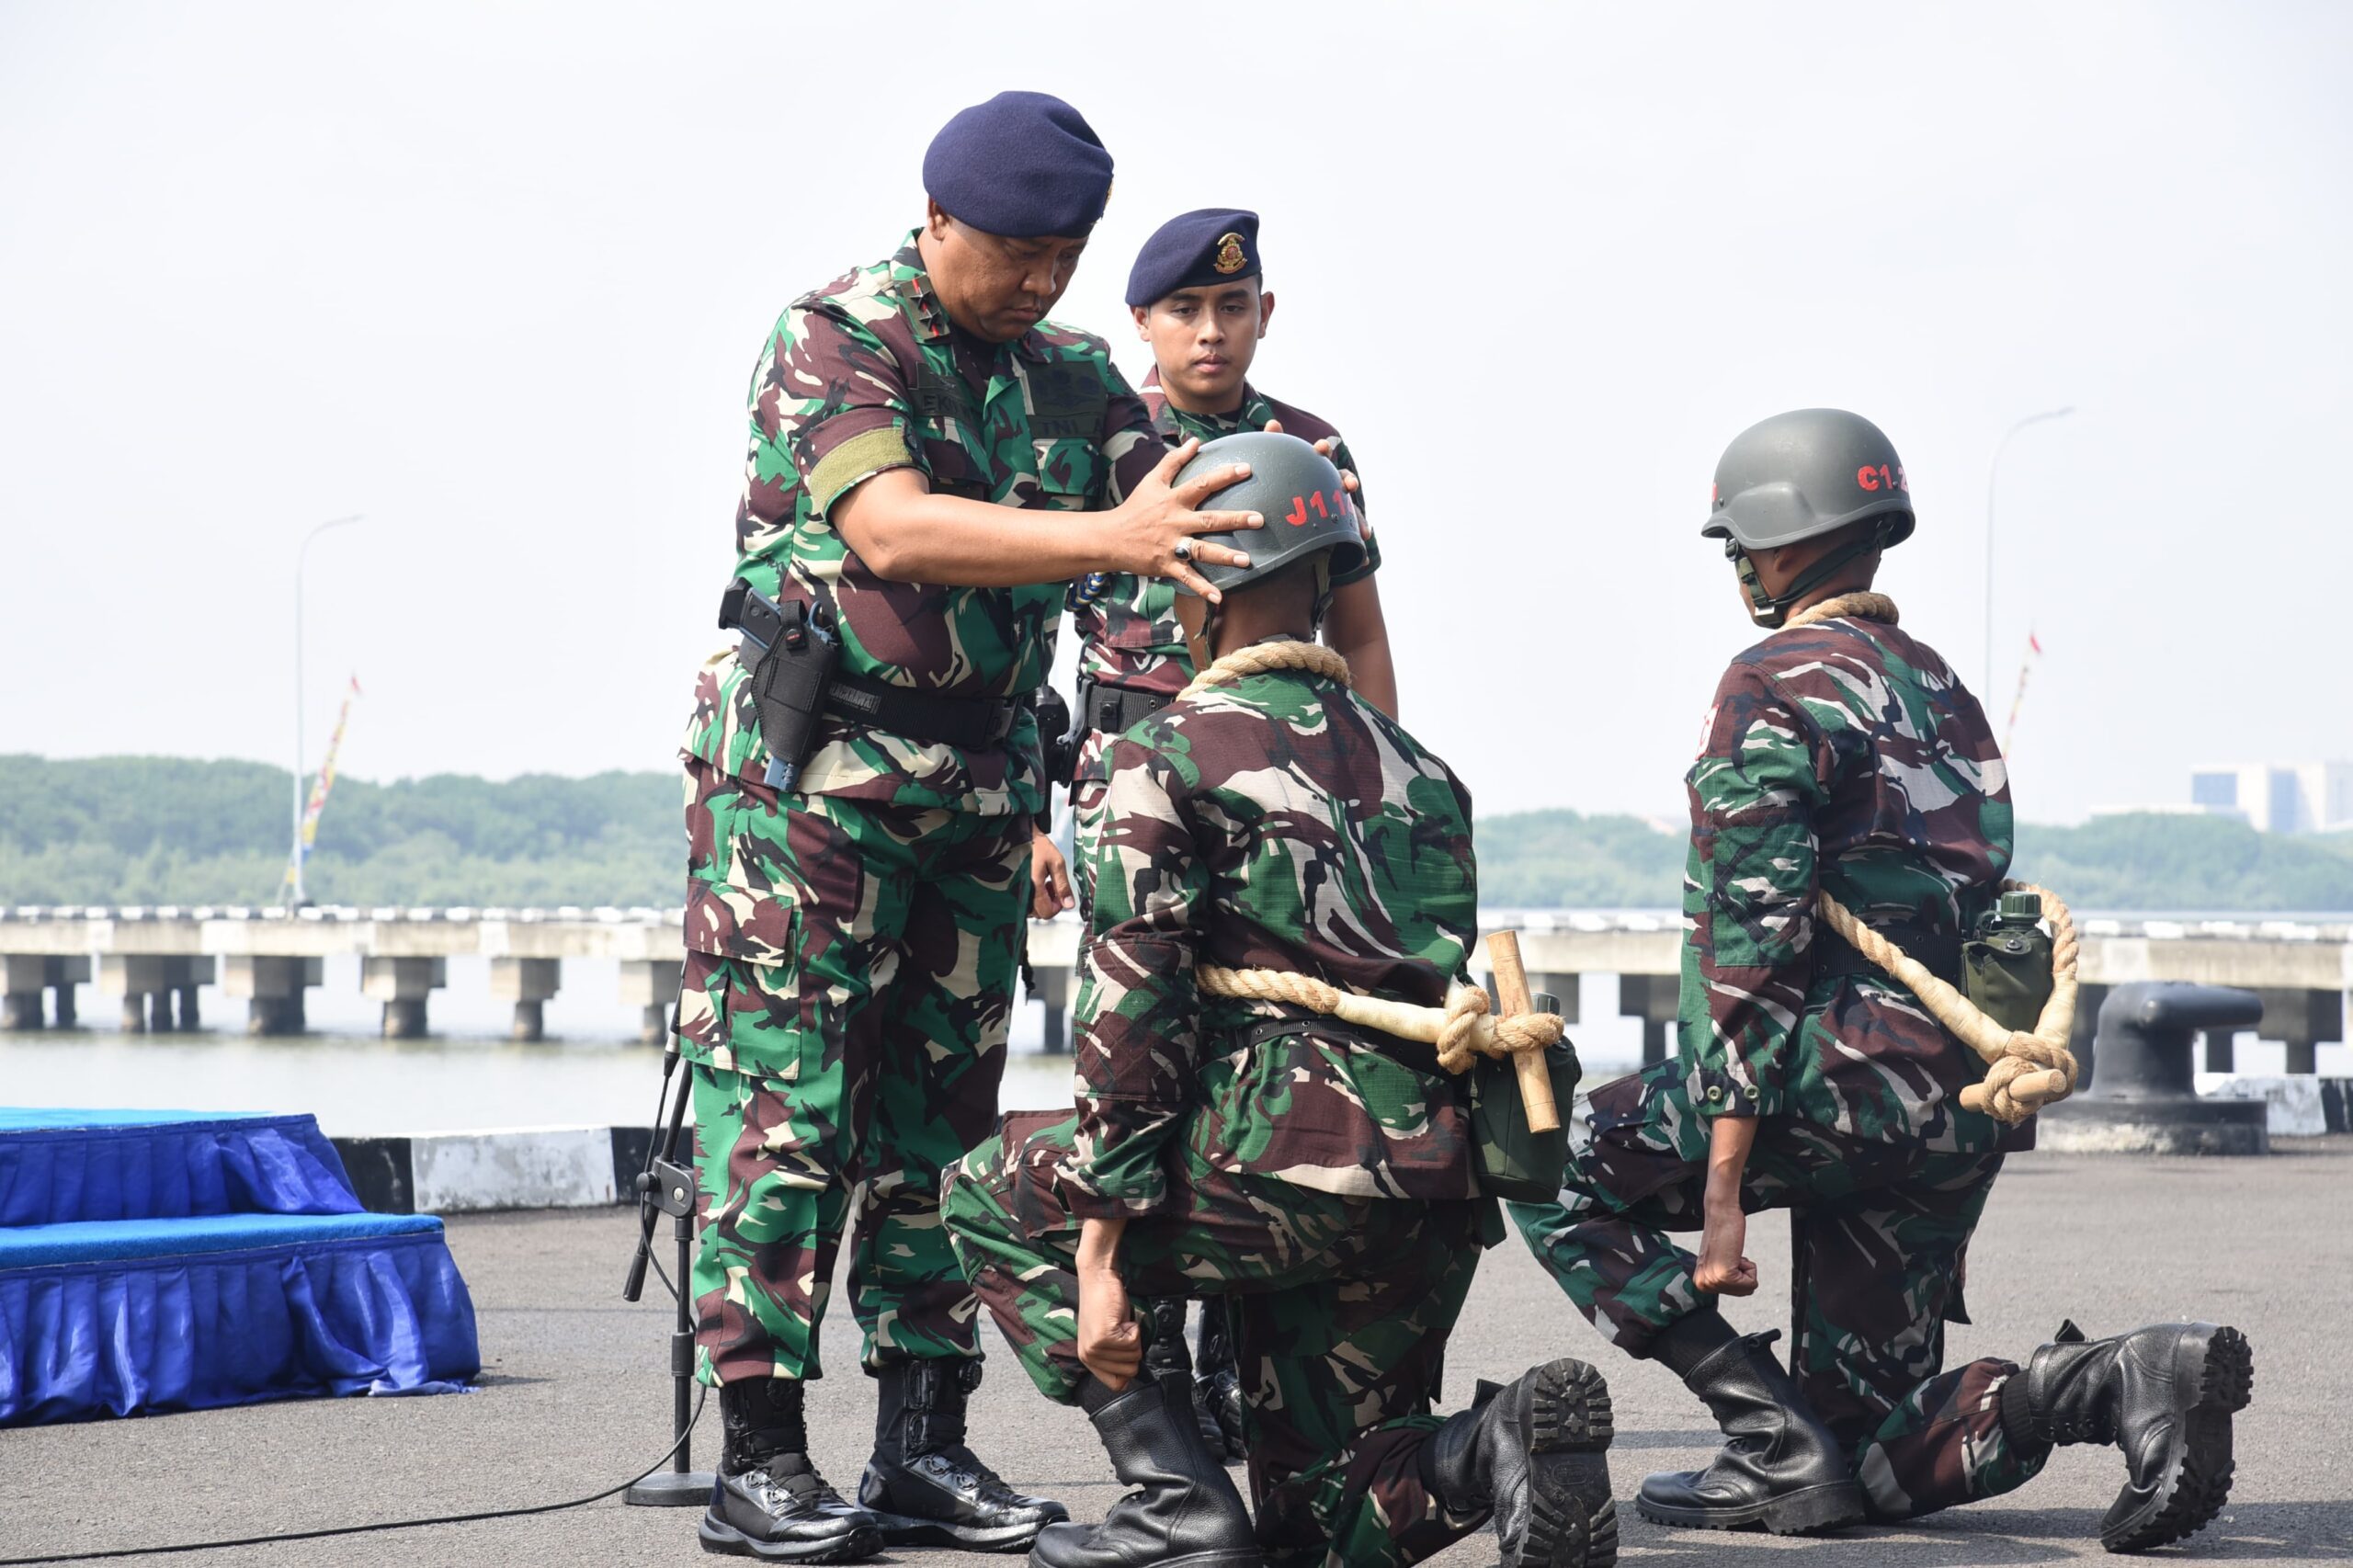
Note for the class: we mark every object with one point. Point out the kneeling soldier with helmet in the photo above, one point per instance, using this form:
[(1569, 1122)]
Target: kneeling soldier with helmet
[(1846, 768), (1318, 1175)]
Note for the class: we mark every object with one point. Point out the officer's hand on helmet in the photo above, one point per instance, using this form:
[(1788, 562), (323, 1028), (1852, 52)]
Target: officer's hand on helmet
[(1722, 1271), (1324, 448), (1050, 891), (1145, 531)]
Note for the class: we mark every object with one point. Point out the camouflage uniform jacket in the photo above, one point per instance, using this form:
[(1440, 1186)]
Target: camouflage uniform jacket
[(866, 374), (1277, 822), (1131, 637), (1847, 756)]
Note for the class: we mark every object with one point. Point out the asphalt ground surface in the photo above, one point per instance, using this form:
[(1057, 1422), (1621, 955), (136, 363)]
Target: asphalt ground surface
[(575, 1397)]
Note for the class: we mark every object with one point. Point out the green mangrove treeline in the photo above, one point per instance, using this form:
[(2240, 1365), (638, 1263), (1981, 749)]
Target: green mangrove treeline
[(169, 830)]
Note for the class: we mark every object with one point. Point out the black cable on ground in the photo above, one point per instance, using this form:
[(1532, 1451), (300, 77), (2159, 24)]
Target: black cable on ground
[(371, 1528)]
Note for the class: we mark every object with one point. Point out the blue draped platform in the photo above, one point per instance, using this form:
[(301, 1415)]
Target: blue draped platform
[(173, 1261)]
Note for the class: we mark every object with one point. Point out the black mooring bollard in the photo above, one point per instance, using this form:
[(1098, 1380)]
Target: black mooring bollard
[(2143, 1099)]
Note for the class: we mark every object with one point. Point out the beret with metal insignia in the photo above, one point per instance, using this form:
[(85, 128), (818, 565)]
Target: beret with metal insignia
[(1215, 244)]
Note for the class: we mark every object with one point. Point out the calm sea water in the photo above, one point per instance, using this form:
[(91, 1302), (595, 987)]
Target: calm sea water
[(467, 1075)]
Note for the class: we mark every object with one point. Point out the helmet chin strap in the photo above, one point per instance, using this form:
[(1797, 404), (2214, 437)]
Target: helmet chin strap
[(1769, 610)]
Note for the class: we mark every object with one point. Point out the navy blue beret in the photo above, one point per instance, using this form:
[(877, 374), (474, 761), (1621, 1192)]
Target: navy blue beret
[(1021, 163), (1215, 244)]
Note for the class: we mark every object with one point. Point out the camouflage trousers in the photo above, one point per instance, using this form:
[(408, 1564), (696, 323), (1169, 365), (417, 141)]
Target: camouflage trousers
[(1087, 799), (1876, 1234), (854, 1053), (1342, 1308)]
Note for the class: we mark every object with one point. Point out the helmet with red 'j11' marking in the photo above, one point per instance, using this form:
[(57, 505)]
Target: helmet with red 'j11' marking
[(1299, 492)]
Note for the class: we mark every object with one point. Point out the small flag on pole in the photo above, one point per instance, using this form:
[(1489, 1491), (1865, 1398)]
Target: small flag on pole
[(2025, 670)]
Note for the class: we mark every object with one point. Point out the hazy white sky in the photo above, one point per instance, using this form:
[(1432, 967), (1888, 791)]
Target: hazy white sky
[(496, 275)]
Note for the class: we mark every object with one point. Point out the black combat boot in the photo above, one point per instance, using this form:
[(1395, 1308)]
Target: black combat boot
[(767, 1500), (1217, 1383), (2165, 1395), (1166, 1362), (1782, 1468), (1185, 1512), (1536, 1455), (925, 1487)]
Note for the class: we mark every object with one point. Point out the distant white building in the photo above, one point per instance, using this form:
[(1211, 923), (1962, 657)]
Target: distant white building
[(2296, 797)]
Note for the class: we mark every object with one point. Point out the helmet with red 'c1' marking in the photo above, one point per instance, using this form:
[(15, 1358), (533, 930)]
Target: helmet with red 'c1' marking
[(1808, 472), (1299, 492)]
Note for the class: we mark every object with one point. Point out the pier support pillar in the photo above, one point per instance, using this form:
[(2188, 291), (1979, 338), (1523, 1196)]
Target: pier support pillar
[(401, 986), (2303, 1019), (651, 986), (271, 986), (175, 1002), (1052, 991), (62, 975), (529, 983), (1652, 998), (1564, 986), (21, 979), (136, 978)]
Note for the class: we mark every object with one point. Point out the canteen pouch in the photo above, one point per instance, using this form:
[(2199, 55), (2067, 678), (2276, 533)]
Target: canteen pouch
[(1514, 1162), (2005, 964)]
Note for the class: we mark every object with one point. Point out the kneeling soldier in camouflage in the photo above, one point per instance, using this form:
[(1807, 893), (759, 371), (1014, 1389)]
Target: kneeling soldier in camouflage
[(1844, 760), (1317, 1173)]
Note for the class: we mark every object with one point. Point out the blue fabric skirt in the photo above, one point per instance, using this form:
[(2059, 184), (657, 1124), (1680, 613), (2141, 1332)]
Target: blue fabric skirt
[(191, 1314), (56, 1167)]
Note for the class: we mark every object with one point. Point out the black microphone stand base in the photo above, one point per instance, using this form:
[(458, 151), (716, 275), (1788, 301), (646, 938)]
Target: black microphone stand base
[(669, 1489)]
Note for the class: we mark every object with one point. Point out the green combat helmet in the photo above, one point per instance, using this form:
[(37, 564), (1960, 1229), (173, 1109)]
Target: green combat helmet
[(1799, 475), (1299, 492)]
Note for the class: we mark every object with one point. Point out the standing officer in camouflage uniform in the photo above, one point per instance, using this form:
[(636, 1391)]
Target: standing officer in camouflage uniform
[(923, 445), (1845, 755), (1317, 1175)]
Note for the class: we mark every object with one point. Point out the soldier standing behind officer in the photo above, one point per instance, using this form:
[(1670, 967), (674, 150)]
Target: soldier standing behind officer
[(1317, 1175), (1197, 292), (860, 776), (1843, 757)]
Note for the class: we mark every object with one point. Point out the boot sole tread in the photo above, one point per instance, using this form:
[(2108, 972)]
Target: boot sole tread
[(905, 1530), (2187, 1500), (1572, 1521)]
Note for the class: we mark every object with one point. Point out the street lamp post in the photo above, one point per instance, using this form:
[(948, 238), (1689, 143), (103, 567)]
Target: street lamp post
[(1993, 473), (302, 560)]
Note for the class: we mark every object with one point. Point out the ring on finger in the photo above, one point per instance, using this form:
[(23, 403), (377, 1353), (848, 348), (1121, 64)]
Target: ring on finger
[(1183, 549)]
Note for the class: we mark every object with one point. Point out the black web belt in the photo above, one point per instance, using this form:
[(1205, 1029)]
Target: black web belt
[(1115, 710), (971, 723), (1936, 951)]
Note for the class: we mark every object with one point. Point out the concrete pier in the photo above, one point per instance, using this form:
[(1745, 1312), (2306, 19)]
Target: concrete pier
[(530, 984), (22, 982), (1654, 998), (270, 958), (402, 984), (651, 985)]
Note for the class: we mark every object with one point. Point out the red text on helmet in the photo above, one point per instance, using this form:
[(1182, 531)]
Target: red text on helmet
[(1881, 477)]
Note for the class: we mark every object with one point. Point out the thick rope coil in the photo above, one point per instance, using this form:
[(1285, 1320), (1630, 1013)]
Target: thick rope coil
[(2024, 1070), (1260, 657), (1465, 1028), (1863, 607)]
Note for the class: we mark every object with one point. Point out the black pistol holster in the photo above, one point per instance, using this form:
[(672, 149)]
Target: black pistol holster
[(792, 672)]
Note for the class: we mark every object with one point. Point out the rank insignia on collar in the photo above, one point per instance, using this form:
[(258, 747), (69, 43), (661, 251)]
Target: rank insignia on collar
[(1230, 259)]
